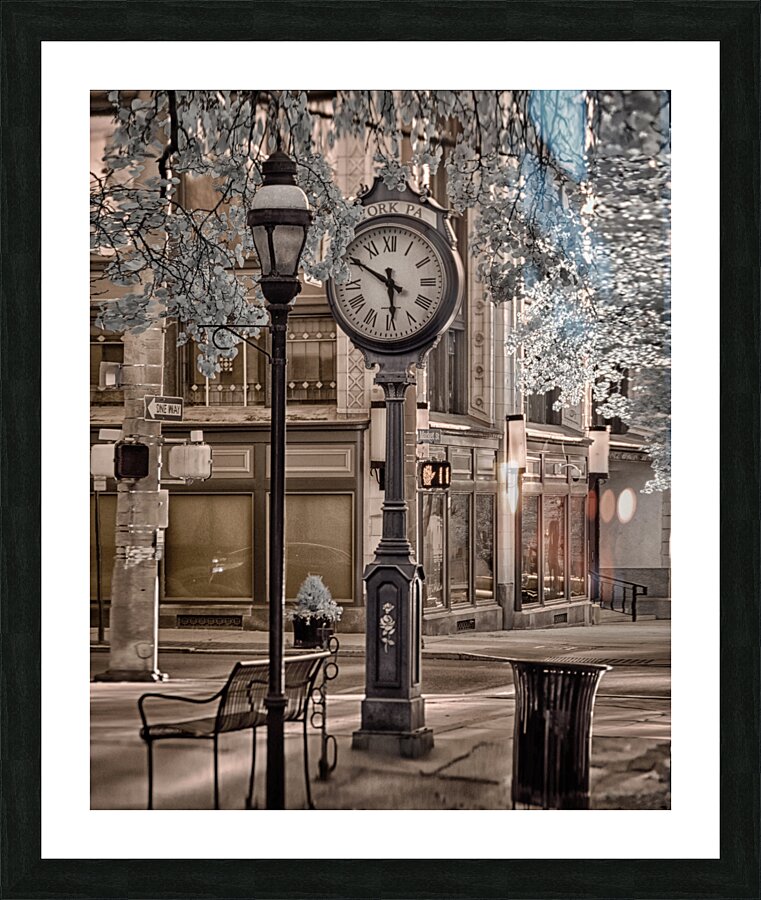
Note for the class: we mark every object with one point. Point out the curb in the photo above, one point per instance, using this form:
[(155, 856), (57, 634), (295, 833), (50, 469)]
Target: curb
[(350, 653), (356, 653)]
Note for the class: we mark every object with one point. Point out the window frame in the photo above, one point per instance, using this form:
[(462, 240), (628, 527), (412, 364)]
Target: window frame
[(345, 601), (538, 487), (546, 400), (473, 489), (189, 375), (175, 600)]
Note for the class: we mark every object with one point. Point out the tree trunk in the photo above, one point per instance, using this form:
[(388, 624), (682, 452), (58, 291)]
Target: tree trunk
[(134, 584)]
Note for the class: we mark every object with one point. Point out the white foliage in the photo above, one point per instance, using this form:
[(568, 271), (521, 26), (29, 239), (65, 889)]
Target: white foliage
[(571, 190)]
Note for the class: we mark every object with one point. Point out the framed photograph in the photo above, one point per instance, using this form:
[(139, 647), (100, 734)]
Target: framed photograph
[(69, 832)]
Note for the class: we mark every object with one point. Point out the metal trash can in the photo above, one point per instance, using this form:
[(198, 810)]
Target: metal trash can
[(552, 735)]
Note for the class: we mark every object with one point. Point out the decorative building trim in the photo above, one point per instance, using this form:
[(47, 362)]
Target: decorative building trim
[(329, 460), (480, 348), (352, 397), (355, 381), (485, 464), (666, 530), (232, 462), (462, 463), (629, 455), (573, 417)]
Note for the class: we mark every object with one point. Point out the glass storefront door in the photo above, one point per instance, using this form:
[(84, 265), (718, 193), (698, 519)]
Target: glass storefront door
[(432, 522), (553, 530), (530, 550), (459, 548), (552, 549)]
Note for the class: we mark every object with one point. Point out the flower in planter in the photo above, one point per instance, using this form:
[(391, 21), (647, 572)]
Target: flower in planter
[(314, 601)]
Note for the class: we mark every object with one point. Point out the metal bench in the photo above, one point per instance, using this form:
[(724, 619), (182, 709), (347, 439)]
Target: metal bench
[(240, 706)]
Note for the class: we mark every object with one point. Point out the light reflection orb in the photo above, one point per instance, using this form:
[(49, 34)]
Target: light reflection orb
[(607, 505), (627, 505)]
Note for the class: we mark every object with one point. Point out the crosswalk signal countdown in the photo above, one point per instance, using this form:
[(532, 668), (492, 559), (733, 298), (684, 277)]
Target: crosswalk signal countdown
[(435, 473)]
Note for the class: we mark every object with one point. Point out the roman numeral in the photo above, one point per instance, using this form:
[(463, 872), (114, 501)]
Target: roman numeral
[(353, 285), (423, 262), (372, 249), (412, 319), (389, 244), (390, 324), (356, 303), (371, 318), (425, 302), (427, 282), (409, 248)]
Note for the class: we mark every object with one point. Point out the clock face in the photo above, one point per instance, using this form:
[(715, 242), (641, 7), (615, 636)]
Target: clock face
[(396, 286)]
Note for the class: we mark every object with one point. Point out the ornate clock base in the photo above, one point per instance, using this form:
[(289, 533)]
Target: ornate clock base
[(407, 744), (393, 712)]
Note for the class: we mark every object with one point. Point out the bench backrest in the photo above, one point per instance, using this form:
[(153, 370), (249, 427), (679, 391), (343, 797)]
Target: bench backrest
[(300, 675), (242, 700)]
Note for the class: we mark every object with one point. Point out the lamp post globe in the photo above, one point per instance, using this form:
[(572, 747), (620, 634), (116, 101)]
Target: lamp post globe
[(279, 220)]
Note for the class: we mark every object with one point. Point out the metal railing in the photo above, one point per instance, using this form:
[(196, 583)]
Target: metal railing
[(608, 591)]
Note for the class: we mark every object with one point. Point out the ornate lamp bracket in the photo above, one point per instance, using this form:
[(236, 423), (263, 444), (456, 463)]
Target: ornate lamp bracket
[(215, 329)]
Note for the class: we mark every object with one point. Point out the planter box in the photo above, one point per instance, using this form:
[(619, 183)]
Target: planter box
[(313, 634)]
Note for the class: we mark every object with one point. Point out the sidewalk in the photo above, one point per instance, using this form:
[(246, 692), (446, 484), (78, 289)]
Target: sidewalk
[(470, 764), (616, 641)]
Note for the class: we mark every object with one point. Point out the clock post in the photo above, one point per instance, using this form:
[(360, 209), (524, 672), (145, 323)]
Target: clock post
[(404, 289), (393, 711)]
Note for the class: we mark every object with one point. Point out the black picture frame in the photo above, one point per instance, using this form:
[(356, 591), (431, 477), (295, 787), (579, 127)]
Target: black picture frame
[(736, 26)]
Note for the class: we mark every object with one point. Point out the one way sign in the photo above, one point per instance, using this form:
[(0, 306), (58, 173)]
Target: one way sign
[(164, 409)]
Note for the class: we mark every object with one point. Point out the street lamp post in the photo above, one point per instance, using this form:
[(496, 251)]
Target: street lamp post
[(279, 219)]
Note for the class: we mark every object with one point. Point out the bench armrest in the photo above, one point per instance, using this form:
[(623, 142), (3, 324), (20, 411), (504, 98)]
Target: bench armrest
[(173, 697)]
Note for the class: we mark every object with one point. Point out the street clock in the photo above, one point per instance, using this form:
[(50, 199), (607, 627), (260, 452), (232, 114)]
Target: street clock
[(404, 289), (406, 277)]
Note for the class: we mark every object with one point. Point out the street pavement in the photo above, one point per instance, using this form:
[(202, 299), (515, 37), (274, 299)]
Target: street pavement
[(471, 717)]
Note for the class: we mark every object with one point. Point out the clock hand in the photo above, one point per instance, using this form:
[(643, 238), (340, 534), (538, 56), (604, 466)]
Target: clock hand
[(378, 275), (390, 287), (391, 284)]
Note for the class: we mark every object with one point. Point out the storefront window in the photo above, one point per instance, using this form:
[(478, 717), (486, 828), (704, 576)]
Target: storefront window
[(432, 518), (459, 548), (208, 546), (104, 347), (530, 550), (107, 513), (318, 541), (243, 381), (554, 547), (311, 360), (484, 560), (578, 524), (541, 408)]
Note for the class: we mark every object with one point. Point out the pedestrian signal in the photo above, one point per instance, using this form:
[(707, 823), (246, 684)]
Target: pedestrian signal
[(435, 473), (131, 460)]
